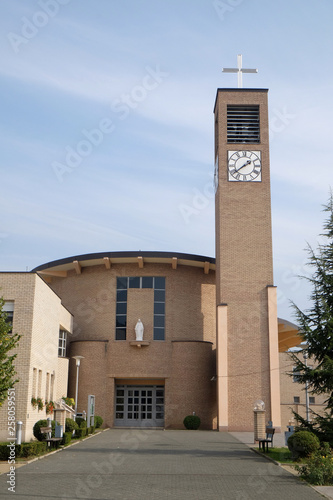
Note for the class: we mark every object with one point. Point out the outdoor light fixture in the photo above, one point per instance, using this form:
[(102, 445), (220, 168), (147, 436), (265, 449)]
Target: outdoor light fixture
[(77, 360)]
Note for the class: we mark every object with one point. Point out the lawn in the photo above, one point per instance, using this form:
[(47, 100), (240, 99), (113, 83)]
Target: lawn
[(282, 455)]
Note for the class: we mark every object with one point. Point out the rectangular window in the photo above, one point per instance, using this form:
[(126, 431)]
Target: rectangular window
[(312, 400), (296, 400), (62, 349), (34, 382), (134, 282), (39, 390), (8, 308), (159, 308), (52, 387), (157, 283), (47, 387), (147, 282), (295, 374), (243, 124)]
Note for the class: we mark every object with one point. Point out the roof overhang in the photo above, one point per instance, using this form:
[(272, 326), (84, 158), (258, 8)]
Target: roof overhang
[(60, 268), (289, 335)]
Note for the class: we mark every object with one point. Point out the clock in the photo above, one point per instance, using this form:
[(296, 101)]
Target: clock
[(244, 166)]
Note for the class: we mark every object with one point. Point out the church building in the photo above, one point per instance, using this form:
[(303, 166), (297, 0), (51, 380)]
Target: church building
[(163, 335), (210, 341)]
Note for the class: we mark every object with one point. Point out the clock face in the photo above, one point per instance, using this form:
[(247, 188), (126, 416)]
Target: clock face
[(244, 166)]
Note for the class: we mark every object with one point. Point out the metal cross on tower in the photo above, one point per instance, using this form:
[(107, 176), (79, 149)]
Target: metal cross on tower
[(239, 70)]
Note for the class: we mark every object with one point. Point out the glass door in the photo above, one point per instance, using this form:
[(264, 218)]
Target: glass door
[(139, 406)]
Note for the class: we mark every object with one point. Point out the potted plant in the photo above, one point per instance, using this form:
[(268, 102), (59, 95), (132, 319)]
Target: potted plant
[(69, 401), (40, 404), (49, 406), (34, 402)]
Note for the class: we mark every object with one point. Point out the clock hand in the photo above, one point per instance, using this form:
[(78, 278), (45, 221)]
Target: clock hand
[(245, 164)]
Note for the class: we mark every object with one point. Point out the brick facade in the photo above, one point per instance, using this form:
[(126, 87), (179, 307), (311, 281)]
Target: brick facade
[(220, 350), (38, 315), (244, 265), (291, 390), (184, 362)]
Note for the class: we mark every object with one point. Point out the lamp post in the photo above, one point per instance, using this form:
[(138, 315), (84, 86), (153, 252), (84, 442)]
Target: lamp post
[(305, 357), (77, 360)]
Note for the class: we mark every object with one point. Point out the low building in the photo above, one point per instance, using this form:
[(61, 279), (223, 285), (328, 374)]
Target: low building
[(171, 372), (41, 363), (293, 394)]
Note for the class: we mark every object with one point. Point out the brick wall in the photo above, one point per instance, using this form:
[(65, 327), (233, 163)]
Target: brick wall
[(290, 389), (244, 265), (37, 315), (190, 315)]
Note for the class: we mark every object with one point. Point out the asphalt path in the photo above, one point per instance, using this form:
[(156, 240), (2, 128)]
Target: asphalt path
[(142, 464)]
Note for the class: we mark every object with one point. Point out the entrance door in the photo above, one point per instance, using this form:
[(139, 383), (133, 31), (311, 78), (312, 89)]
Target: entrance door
[(139, 406)]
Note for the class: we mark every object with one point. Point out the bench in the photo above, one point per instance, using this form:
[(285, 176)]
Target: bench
[(263, 443), (50, 440)]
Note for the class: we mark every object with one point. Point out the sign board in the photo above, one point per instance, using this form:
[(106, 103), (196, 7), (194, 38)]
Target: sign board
[(91, 411)]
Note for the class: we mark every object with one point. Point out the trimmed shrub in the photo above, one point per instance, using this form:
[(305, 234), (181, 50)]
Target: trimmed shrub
[(98, 421), (319, 467), (81, 422), (31, 449), (302, 444), (42, 423), (91, 429), (24, 450), (67, 437), (81, 432), (192, 422), (71, 425)]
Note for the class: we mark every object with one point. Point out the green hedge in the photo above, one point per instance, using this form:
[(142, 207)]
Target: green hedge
[(98, 421), (24, 450), (71, 425), (67, 437), (81, 432), (81, 422), (91, 429)]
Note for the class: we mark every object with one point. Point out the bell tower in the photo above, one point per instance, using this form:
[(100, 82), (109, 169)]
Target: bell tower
[(247, 335)]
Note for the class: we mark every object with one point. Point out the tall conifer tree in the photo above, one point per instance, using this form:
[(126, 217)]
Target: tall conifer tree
[(316, 323)]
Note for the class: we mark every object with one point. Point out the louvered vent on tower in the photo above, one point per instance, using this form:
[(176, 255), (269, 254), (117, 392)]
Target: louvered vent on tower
[(243, 124)]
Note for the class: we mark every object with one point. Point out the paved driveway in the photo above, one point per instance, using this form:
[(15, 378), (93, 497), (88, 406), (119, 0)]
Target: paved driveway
[(121, 464)]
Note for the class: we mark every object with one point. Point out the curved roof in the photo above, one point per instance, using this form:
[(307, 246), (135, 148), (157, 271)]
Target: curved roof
[(288, 335), (77, 262)]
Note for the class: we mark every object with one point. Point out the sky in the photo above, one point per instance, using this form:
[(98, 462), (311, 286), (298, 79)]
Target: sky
[(107, 125)]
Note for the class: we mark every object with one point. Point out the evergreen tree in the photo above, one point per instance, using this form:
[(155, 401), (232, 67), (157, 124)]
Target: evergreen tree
[(316, 324), (8, 341)]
